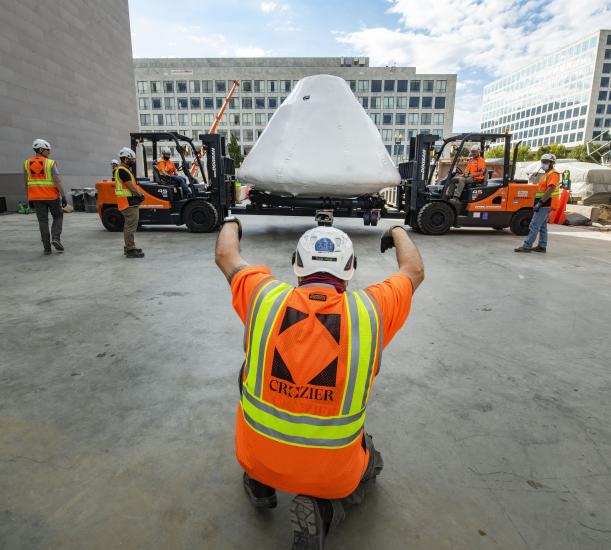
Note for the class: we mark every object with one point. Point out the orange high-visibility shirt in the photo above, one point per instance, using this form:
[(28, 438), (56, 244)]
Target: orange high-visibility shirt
[(166, 167), (316, 338), (476, 168)]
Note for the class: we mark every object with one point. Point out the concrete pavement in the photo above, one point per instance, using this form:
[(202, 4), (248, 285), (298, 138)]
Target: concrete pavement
[(118, 394)]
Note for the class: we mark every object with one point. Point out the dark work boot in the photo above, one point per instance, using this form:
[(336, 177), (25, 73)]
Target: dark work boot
[(311, 519), (259, 494), (58, 245), (539, 249), (134, 253), (125, 250), (522, 249), (47, 251)]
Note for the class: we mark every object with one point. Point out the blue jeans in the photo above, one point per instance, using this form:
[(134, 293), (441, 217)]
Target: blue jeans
[(182, 182), (538, 226)]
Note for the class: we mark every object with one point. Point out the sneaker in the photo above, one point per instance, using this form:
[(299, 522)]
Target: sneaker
[(539, 249), (125, 250), (134, 253), (47, 251), (522, 249), (58, 245), (260, 495), (309, 526)]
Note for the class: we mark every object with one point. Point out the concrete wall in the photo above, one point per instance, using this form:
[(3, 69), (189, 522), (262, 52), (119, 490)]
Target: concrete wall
[(66, 75)]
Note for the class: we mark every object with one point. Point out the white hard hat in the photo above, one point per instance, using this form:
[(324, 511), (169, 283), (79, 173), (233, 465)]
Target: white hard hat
[(549, 157), (166, 151), (41, 144), (126, 152), (476, 147), (114, 161), (325, 249)]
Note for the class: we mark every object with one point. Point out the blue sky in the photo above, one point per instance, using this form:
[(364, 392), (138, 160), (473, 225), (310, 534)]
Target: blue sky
[(479, 40)]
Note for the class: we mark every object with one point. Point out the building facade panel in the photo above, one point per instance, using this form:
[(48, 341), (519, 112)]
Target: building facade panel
[(185, 95)]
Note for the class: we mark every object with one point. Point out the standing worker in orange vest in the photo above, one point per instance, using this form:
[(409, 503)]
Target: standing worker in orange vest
[(546, 200), (312, 353), (44, 189), (474, 174), (129, 196)]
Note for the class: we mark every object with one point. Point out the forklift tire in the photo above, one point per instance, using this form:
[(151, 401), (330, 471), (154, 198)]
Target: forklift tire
[(200, 216), (435, 218), (375, 218), (112, 219), (520, 222), (367, 217)]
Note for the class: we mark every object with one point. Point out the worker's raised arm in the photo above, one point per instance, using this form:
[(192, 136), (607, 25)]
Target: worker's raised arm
[(227, 253), (408, 257)]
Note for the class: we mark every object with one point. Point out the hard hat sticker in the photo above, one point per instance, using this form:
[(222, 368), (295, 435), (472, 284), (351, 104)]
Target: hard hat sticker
[(324, 245)]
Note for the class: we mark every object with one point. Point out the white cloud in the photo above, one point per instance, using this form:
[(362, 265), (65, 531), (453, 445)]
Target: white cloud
[(157, 38), (268, 7)]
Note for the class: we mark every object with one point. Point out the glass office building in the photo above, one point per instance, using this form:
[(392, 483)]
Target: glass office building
[(563, 97), (185, 95)]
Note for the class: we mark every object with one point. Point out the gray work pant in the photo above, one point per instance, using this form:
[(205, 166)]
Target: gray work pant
[(130, 225), (457, 186), (42, 213)]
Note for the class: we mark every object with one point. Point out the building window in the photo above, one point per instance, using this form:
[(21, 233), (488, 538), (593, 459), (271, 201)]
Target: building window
[(427, 102), (414, 86), (183, 119), (246, 85), (602, 95), (441, 86), (387, 119), (259, 102), (412, 118), (363, 86), (208, 103), (208, 119), (401, 85), (248, 135), (364, 101), (440, 103), (609, 109), (272, 86), (269, 116), (387, 135), (168, 103), (143, 87), (168, 86), (259, 86), (607, 54), (402, 102), (388, 149), (220, 86), (285, 86), (388, 102), (155, 87), (182, 103), (181, 86), (427, 85), (260, 119), (414, 102), (247, 103), (158, 120), (143, 103), (156, 102), (604, 81), (400, 118), (196, 119), (376, 118), (196, 102), (389, 85), (597, 121), (375, 102), (145, 120), (352, 85), (376, 86), (247, 119), (606, 68), (234, 119), (609, 40), (272, 102), (207, 86), (258, 133), (232, 103), (194, 86), (438, 118), (600, 109)]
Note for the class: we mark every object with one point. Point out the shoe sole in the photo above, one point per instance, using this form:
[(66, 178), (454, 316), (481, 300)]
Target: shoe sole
[(261, 503), (307, 524), (58, 246)]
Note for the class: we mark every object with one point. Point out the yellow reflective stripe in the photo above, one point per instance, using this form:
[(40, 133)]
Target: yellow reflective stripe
[(376, 348), (48, 181), (353, 350), (119, 189), (253, 299), (41, 183)]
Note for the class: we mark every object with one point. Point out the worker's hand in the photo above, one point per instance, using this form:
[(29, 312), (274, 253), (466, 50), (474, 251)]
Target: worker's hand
[(537, 206), (387, 241), (64, 202), (233, 219)]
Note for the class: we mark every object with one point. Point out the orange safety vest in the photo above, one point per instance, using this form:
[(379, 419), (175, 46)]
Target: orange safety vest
[(41, 186), (551, 177), (166, 166), (476, 167), (303, 408)]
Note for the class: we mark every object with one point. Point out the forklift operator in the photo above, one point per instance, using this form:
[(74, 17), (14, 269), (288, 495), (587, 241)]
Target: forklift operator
[(168, 169), (474, 174), (312, 353)]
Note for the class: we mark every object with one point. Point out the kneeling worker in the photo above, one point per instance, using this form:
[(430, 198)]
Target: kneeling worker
[(129, 197), (312, 353), (168, 169), (474, 174)]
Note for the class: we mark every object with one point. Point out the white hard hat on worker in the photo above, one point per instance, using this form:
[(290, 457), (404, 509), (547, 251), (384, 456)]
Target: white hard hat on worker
[(127, 153), (38, 144), (325, 250)]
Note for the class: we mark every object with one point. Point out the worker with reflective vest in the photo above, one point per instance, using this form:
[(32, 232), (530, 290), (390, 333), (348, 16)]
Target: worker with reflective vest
[(546, 200), (311, 356), (168, 169), (128, 196), (473, 174), (45, 191)]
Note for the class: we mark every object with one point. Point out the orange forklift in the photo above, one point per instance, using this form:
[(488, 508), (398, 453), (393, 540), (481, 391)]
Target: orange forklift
[(497, 203)]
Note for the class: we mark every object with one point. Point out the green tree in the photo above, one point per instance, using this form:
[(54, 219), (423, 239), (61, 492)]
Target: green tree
[(495, 152), (234, 150), (561, 151), (580, 152), (524, 153)]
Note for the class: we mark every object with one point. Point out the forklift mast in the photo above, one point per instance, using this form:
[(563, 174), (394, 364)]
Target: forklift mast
[(222, 192), (416, 172)]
